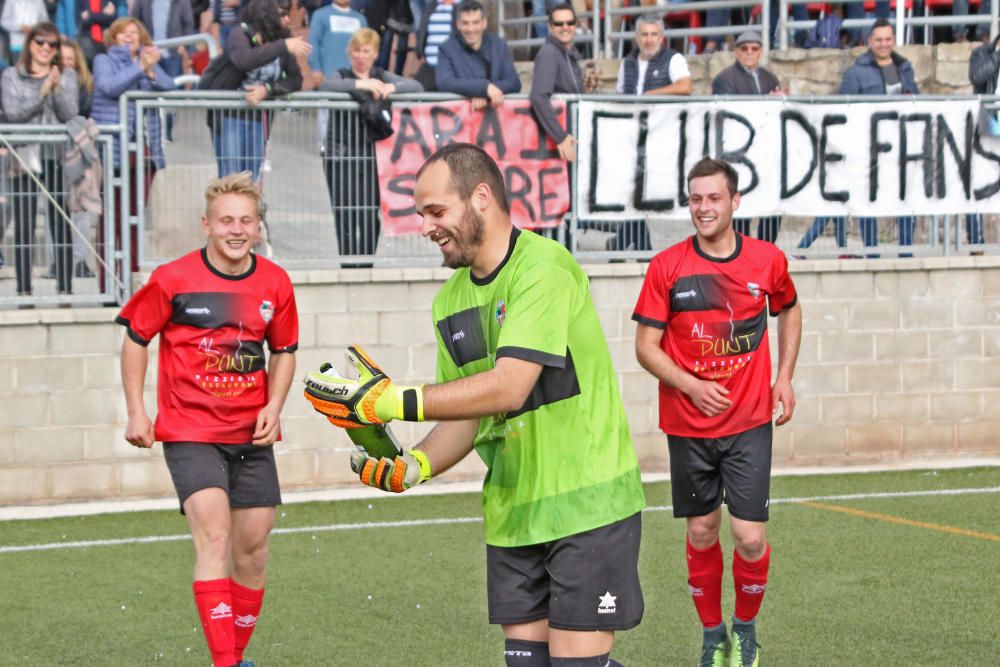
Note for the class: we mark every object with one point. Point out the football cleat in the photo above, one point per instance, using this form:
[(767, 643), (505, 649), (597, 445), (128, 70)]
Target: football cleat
[(744, 652), (715, 648)]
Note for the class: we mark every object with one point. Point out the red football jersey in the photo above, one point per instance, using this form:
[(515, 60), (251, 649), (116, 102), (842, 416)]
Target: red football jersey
[(212, 370), (714, 313)]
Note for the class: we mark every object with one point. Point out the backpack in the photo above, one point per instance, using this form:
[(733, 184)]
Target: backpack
[(375, 114), (825, 34)]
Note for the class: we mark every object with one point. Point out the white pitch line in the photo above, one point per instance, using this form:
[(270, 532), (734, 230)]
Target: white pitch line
[(463, 520)]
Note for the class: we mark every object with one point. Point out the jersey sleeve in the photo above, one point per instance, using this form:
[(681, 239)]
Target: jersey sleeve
[(653, 306), (541, 305), (283, 330), (148, 311), (783, 294)]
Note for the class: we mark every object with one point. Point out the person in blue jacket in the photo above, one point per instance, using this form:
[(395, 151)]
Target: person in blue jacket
[(474, 63)]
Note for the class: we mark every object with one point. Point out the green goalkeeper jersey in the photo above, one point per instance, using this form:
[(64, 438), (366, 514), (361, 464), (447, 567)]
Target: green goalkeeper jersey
[(562, 463)]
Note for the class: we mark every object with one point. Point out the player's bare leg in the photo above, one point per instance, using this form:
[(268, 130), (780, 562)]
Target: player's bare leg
[(251, 527), (207, 513), (704, 560), (535, 644), (751, 560)]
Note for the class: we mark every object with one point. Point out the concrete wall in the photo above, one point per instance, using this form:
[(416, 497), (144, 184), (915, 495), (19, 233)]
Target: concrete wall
[(900, 360)]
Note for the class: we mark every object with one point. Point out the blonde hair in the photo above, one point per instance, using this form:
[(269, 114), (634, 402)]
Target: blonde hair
[(363, 37), (111, 34), (241, 183), (83, 75)]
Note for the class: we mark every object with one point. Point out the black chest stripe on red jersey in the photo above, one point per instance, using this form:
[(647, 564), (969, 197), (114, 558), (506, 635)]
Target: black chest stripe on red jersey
[(698, 292), (554, 384), (462, 334), (206, 310)]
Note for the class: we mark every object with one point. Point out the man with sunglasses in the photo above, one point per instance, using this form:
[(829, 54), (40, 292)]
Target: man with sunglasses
[(557, 70), (747, 77)]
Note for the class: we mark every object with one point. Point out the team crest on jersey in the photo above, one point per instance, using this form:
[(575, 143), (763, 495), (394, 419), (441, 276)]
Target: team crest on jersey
[(266, 310), (754, 290), (501, 313)]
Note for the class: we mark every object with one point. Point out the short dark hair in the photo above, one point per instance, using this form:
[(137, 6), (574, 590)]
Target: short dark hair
[(469, 6), (710, 167), (470, 165), (559, 7), (881, 23)]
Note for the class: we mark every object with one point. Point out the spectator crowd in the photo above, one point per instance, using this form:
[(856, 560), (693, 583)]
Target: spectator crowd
[(74, 59)]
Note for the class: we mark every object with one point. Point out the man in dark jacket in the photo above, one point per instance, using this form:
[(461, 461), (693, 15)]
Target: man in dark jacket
[(747, 77), (881, 71), (476, 64), (557, 70)]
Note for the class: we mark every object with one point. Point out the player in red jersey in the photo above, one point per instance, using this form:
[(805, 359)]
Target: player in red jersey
[(702, 331), (217, 407)]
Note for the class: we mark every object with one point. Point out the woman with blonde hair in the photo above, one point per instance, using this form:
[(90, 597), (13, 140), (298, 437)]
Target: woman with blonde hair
[(131, 63), (349, 164)]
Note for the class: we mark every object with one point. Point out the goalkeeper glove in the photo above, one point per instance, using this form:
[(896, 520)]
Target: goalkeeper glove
[(406, 470), (371, 399)]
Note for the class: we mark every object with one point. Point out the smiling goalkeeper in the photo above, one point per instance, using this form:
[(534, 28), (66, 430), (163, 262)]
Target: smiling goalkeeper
[(525, 379)]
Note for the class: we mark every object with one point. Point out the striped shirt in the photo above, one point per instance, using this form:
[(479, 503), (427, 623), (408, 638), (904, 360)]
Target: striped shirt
[(438, 30)]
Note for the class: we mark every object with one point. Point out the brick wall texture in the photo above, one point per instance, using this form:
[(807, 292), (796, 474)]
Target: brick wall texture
[(900, 361)]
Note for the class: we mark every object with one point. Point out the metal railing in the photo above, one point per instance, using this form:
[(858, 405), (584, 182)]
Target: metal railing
[(54, 256)]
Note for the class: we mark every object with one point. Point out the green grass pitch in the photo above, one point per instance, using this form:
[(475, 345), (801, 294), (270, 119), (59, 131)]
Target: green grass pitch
[(904, 580)]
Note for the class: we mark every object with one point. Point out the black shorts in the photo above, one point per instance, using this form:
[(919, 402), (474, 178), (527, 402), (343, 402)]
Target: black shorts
[(586, 581), (700, 468), (247, 473)]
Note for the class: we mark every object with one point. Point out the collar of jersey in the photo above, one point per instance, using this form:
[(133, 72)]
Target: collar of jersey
[(487, 279), (226, 276), (703, 255)]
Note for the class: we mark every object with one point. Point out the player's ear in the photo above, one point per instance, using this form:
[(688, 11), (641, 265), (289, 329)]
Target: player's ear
[(736, 201), (204, 225), (482, 196)]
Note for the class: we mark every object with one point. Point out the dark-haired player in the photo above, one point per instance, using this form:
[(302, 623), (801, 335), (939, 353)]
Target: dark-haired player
[(702, 332), (215, 309)]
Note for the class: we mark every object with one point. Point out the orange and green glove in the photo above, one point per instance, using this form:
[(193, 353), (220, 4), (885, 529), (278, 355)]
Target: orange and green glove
[(397, 475)]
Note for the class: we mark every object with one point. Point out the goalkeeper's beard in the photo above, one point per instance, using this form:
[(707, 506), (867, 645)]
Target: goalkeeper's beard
[(466, 240)]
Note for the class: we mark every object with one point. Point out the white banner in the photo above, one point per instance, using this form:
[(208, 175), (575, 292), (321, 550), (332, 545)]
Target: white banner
[(873, 159)]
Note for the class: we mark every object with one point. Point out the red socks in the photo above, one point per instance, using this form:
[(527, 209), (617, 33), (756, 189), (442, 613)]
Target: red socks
[(705, 582), (246, 607), (215, 607), (750, 580)]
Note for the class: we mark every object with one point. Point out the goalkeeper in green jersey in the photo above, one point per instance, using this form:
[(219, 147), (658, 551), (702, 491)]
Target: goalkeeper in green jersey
[(524, 378)]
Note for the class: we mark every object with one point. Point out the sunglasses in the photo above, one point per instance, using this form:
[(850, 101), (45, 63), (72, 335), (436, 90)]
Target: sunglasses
[(41, 41), (752, 48), (563, 24)]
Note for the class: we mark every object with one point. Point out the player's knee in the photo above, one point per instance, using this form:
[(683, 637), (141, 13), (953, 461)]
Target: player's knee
[(251, 562), (750, 545), (213, 546), (703, 534), (524, 653)]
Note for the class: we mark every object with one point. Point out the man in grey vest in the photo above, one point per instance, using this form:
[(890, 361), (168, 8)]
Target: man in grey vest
[(653, 68)]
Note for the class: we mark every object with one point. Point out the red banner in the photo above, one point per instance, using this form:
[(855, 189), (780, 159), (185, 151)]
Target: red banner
[(537, 178)]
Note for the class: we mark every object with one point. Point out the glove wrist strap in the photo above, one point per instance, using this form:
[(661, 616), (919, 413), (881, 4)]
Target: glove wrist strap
[(423, 464), (410, 404)]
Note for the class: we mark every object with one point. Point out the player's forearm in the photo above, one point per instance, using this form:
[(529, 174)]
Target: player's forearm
[(134, 361), (448, 443), (657, 362), (280, 371), (789, 338), (498, 391)]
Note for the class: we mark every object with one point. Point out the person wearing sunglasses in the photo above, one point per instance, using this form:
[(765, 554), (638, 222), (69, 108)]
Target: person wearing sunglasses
[(557, 70), (40, 91), (747, 77)]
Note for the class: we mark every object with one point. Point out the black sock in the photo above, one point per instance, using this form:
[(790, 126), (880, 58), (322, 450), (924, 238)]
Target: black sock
[(522, 653), (593, 661)]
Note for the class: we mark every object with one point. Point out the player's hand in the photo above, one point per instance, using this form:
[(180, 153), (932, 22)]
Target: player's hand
[(406, 470), (709, 397), (371, 399), (139, 431), (783, 393), (268, 425)]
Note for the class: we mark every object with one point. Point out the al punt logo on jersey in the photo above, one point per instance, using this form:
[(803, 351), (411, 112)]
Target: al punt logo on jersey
[(501, 313), (267, 310)]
